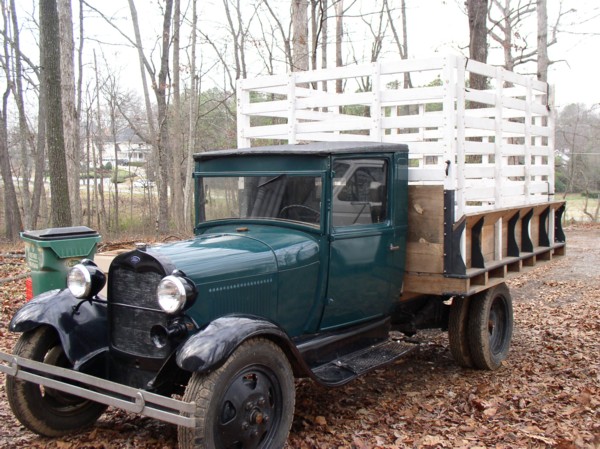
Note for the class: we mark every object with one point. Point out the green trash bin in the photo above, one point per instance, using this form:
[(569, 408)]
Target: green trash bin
[(51, 252)]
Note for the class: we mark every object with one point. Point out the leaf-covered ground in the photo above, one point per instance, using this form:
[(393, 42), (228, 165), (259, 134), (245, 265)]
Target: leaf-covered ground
[(546, 395)]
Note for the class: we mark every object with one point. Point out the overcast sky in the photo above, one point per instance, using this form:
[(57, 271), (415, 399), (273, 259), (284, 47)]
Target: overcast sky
[(434, 27)]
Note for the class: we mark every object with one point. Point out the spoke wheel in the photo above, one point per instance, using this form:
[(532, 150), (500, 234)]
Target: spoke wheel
[(43, 410), (248, 403), (490, 327)]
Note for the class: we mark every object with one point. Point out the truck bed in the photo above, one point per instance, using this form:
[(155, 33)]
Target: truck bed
[(448, 257)]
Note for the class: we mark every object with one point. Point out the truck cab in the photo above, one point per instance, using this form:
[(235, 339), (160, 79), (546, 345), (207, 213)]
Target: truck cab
[(334, 217)]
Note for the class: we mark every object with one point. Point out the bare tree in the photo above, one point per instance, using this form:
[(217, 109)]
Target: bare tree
[(506, 19), (69, 108), (402, 45), (50, 63), (177, 149), (478, 48), (11, 205), (339, 35), (324, 37), (160, 90), (191, 147), (300, 35), (542, 41), (159, 85), (285, 37), (25, 135)]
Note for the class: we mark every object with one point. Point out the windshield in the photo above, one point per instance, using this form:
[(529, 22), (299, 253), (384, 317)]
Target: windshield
[(287, 197)]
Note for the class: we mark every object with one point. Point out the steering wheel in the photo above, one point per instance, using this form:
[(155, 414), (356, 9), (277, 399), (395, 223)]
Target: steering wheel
[(285, 210)]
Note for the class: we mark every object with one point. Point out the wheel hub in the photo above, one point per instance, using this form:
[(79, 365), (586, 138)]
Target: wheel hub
[(245, 419)]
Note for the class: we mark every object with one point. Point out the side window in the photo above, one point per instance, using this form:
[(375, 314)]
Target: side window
[(359, 192)]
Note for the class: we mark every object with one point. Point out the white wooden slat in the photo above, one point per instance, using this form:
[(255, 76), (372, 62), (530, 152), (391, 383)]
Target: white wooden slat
[(513, 170), (540, 151), (480, 96), (267, 130), (346, 99), (334, 125), (473, 171), (540, 170), (333, 137), (392, 97), (349, 71), (425, 174), (479, 193), (262, 82), (412, 65), (539, 187), (491, 112), (472, 147), (413, 121), (421, 148), (481, 68)]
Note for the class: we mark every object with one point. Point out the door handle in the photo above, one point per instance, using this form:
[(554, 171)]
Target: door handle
[(394, 247)]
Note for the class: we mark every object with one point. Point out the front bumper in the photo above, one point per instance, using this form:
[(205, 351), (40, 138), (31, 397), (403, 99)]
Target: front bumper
[(99, 390)]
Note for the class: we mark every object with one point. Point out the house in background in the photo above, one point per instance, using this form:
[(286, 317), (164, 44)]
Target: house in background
[(130, 149)]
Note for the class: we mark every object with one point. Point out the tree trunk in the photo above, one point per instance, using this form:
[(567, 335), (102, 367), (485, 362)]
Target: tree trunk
[(11, 206), (24, 132), (324, 42), (70, 118), (163, 134), (300, 35), (477, 12), (99, 189), (143, 67), (339, 34), (187, 193), (542, 41), (50, 67), (40, 157), (177, 147)]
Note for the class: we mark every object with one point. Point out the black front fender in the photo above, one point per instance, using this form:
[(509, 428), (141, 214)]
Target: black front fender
[(209, 348), (83, 333)]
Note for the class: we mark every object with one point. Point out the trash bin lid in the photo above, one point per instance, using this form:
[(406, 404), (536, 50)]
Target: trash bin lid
[(70, 232)]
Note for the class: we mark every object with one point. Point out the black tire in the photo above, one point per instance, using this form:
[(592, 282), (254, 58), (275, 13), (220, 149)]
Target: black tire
[(43, 410), (458, 335), (490, 327), (246, 403)]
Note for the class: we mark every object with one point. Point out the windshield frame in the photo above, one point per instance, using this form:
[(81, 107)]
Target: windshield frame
[(201, 223)]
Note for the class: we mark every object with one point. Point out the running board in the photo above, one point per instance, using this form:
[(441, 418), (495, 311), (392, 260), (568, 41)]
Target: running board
[(344, 369)]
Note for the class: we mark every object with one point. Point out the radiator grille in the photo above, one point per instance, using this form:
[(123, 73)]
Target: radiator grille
[(133, 310)]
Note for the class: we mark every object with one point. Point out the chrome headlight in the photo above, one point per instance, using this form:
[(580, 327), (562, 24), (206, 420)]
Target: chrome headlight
[(174, 293), (85, 279)]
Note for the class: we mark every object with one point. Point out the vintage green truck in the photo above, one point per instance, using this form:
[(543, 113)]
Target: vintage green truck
[(307, 261)]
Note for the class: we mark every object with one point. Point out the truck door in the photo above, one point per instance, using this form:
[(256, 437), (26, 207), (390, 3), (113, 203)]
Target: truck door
[(363, 243)]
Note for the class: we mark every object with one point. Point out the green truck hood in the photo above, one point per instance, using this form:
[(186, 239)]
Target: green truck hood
[(224, 253)]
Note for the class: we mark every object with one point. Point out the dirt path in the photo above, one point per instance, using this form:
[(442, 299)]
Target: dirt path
[(547, 394)]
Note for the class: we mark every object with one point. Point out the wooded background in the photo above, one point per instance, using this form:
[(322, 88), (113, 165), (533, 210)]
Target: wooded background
[(65, 104)]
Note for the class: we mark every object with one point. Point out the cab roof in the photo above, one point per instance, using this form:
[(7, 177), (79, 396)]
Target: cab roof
[(310, 149)]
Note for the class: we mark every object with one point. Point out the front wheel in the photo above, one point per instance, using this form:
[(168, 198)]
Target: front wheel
[(43, 410), (247, 403), (490, 327)]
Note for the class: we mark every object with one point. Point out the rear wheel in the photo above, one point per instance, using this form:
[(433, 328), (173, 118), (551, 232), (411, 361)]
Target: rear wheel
[(458, 332), (490, 327), (43, 410), (247, 403)]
